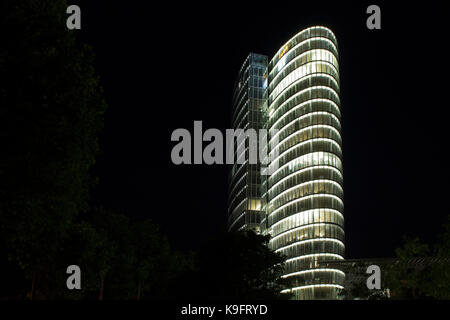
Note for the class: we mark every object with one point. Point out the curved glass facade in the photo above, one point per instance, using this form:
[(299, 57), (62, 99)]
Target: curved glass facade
[(244, 195), (304, 196)]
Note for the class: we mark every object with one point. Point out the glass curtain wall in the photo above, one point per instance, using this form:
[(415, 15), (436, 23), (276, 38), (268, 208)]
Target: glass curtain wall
[(303, 198), (244, 196)]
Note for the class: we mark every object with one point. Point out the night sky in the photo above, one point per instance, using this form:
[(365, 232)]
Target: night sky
[(162, 67)]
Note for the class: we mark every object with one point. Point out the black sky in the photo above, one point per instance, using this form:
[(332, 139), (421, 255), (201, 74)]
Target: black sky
[(164, 66)]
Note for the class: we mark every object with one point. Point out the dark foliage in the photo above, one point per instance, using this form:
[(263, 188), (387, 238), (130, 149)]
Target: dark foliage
[(51, 108), (51, 113), (235, 265)]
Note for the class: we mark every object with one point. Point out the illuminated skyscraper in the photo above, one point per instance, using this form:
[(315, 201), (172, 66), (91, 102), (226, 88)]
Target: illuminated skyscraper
[(304, 211), (244, 204), (302, 201)]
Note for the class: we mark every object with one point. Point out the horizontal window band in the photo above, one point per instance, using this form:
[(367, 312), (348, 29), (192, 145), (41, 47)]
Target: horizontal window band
[(301, 242)]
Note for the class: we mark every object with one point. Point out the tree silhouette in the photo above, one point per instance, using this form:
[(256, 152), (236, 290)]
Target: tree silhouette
[(51, 108), (429, 277), (236, 265)]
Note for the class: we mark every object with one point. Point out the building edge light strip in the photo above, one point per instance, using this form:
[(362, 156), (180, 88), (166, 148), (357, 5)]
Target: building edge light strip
[(311, 271), (296, 78), (304, 41), (313, 286), (316, 195), (298, 34), (237, 183), (304, 78), (300, 73), (306, 226), (310, 154), (312, 126), (304, 213), (306, 115), (304, 184), (237, 195), (312, 181), (298, 145), (236, 220), (313, 255), (299, 242), (309, 51), (299, 172), (300, 105)]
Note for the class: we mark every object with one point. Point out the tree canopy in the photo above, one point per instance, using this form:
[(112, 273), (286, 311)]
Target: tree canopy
[(51, 115), (51, 112), (419, 271), (236, 265)]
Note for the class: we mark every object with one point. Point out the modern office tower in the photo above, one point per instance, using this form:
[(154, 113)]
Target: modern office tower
[(295, 96), (244, 200), (304, 196)]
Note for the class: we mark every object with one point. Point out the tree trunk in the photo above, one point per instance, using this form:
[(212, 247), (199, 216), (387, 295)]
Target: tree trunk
[(100, 295), (33, 281), (139, 292)]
